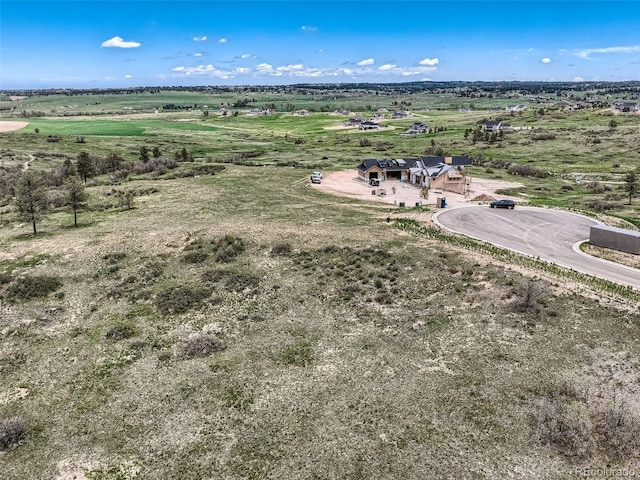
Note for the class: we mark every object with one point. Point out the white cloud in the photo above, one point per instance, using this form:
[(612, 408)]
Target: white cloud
[(430, 62), (578, 79), (301, 71), (197, 54), (222, 40), (200, 39), (200, 70), (368, 61), (586, 52), (307, 28), (128, 76), (290, 68), (247, 55), (264, 68), (118, 42), (545, 60)]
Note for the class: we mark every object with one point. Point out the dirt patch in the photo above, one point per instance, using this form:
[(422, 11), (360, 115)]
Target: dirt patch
[(11, 126), (346, 183)]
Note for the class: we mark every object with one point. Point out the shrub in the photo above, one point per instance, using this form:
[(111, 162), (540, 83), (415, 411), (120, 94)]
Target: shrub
[(180, 299), (543, 136), (228, 247), (12, 432), (240, 281), (121, 332), (564, 422), (597, 188), (214, 276), (525, 171), (281, 248), (530, 294), (299, 354), (201, 345), (581, 425), (157, 165), (194, 256), (600, 206), (24, 288)]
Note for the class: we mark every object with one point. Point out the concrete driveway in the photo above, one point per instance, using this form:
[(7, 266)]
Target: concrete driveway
[(551, 235)]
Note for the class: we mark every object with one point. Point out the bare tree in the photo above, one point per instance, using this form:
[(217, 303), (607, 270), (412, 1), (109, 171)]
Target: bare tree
[(531, 292)]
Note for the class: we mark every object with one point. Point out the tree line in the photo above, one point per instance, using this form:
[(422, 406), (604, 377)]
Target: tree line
[(33, 193)]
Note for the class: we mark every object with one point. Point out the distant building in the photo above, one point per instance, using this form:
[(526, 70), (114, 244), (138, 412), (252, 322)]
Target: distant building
[(418, 128), (495, 126), (400, 114), (369, 126)]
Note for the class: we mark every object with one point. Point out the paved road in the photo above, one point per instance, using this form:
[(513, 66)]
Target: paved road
[(544, 233)]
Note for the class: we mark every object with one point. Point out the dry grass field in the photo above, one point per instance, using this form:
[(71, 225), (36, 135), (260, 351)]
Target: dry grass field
[(216, 331)]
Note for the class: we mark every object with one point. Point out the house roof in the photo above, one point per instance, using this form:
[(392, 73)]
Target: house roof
[(456, 161), (399, 164), (389, 164)]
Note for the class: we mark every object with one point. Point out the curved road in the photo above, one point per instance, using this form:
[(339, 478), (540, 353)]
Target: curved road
[(547, 234)]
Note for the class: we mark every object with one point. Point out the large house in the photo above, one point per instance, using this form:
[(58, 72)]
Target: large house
[(369, 126), (445, 173), (494, 126), (626, 107), (417, 128)]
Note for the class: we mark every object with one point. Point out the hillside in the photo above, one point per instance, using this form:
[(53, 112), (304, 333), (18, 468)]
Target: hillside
[(233, 323)]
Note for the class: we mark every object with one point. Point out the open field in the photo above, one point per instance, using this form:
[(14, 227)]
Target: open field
[(246, 325)]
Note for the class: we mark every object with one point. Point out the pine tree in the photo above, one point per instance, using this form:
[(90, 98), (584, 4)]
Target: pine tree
[(631, 185), (32, 201), (76, 196), (84, 166)]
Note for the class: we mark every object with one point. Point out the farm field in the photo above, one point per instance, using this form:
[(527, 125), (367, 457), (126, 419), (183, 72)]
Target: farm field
[(213, 316)]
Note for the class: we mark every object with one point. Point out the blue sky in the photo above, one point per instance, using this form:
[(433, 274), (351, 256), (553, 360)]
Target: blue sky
[(90, 44)]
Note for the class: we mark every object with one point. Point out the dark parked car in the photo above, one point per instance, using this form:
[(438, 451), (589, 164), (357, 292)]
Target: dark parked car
[(504, 203)]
